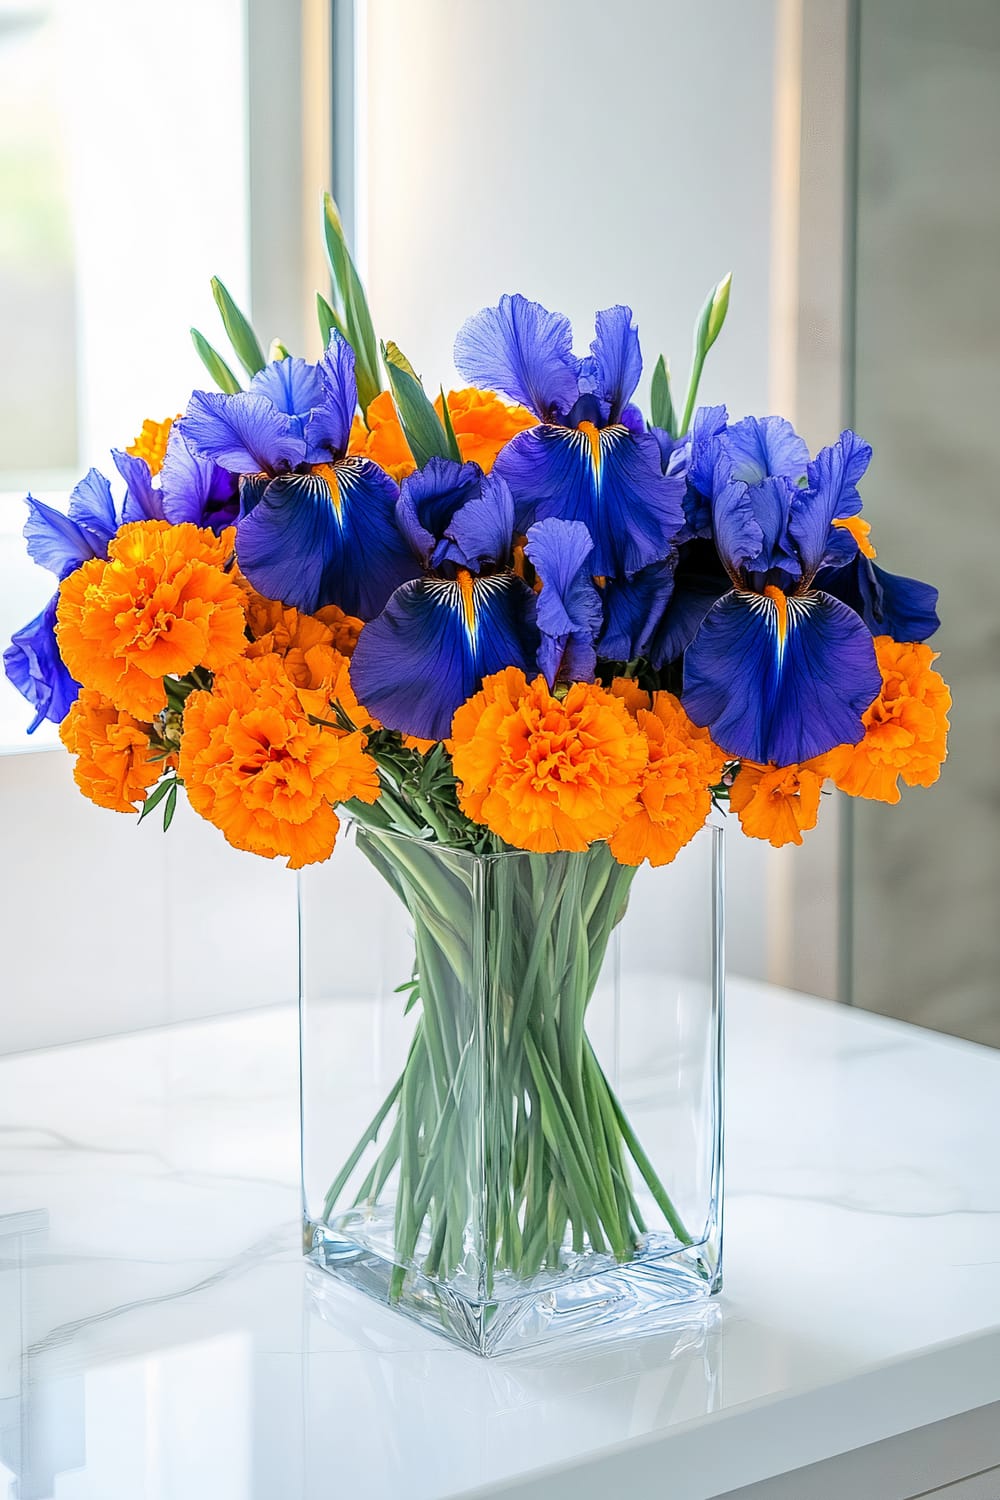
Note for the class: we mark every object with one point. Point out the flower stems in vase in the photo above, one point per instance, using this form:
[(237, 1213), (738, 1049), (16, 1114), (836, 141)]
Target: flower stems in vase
[(539, 1157)]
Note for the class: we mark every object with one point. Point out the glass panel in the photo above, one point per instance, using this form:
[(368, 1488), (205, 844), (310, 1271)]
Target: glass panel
[(925, 880)]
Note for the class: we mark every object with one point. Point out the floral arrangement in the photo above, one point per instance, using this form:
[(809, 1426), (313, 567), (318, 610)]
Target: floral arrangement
[(520, 613), (520, 616)]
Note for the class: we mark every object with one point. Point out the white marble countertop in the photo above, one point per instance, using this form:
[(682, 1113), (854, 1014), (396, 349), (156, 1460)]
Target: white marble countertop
[(160, 1339)]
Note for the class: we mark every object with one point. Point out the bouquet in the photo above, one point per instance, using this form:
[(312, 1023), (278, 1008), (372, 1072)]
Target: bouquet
[(522, 615)]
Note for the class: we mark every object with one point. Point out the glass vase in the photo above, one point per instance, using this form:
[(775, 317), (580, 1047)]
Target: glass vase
[(512, 1083)]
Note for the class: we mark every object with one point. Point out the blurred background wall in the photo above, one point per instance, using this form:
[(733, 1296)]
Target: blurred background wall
[(925, 886), (809, 146)]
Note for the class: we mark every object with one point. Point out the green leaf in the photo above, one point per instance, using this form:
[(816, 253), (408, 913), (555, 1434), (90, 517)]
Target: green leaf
[(353, 305), (328, 320), (661, 398), (215, 364), (454, 451), (420, 422), (156, 797), (170, 806), (241, 335)]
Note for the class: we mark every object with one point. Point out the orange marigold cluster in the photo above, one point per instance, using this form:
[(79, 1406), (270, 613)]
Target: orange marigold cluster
[(255, 766), (279, 628), (906, 728), (674, 797), (151, 444), (546, 772), (160, 606), (778, 803), (113, 766), (483, 425)]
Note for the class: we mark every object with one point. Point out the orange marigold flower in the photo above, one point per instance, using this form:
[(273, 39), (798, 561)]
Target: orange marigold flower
[(256, 767), (778, 803), (280, 628), (113, 766), (632, 695), (382, 440), (674, 797), (344, 628), (322, 677), (543, 772), (483, 423), (160, 606), (151, 444), (906, 728), (414, 742)]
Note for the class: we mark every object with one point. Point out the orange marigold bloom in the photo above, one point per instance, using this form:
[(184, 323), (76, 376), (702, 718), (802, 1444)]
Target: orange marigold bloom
[(160, 606), (112, 752), (277, 627), (778, 803), (546, 773), (382, 440), (255, 767), (344, 628), (674, 797), (483, 423), (322, 677), (906, 728), (151, 444)]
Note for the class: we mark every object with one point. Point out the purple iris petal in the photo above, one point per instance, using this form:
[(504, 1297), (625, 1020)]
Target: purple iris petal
[(196, 489), (693, 596), (616, 361), (292, 385), (329, 538), (770, 502), (33, 664), (433, 644), (429, 499), (633, 609), (610, 480), (328, 430), (737, 532), (58, 542), (481, 531), (244, 433), (142, 501), (707, 429), (761, 446), (831, 494), (92, 507), (568, 608), (888, 603), (780, 681), (522, 350)]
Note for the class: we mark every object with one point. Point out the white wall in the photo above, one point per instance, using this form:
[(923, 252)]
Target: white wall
[(581, 153)]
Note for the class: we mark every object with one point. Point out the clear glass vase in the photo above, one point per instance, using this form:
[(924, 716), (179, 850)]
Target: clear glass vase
[(511, 1083)]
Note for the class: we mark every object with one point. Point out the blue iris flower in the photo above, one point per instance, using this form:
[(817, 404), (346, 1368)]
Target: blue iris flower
[(590, 460), (470, 614), (190, 489), (61, 543), (316, 527), (779, 669)]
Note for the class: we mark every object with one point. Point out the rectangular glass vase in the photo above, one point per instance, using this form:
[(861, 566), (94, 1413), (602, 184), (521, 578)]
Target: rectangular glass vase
[(512, 1084)]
